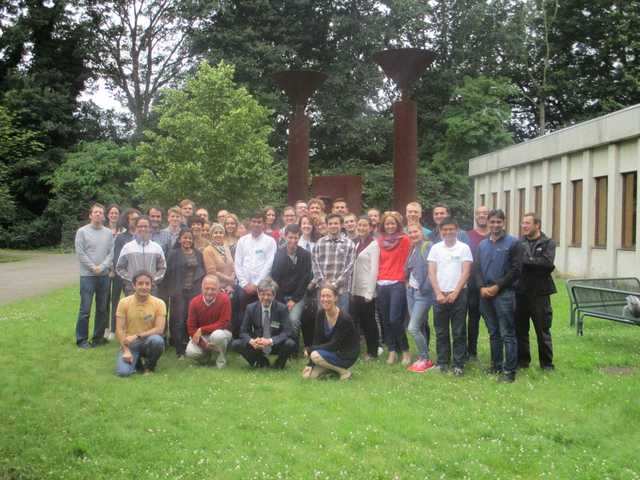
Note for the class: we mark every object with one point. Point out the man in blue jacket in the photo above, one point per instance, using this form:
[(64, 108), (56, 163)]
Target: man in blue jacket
[(497, 272)]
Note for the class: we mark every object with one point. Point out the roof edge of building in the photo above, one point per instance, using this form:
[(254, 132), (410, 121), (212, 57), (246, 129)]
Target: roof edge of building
[(603, 130)]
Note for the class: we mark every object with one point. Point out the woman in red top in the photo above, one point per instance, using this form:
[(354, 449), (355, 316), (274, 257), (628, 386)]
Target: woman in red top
[(391, 296)]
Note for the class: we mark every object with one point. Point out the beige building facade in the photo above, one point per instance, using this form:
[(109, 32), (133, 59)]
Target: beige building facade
[(583, 182)]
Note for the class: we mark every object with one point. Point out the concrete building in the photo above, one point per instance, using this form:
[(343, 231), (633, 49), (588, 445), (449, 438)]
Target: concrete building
[(583, 182)]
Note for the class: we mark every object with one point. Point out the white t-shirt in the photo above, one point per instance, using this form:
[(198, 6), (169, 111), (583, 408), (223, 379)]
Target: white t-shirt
[(449, 261)]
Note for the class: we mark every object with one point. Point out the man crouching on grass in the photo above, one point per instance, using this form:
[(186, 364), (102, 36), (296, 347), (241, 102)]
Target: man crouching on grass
[(208, 323), (140, 322)]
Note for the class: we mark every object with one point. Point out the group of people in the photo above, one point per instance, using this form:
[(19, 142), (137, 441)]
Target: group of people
[(262, 286)]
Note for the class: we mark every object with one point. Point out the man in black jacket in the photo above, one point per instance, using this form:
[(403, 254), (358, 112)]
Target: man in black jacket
[(292, 272), (266, 329), (534, 291)]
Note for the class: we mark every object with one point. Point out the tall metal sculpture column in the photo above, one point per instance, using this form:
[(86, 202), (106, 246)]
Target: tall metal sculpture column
[(299, 85), (404, 66)]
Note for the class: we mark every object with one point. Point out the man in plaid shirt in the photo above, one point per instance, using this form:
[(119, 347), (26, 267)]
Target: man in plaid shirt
[(332, 260)]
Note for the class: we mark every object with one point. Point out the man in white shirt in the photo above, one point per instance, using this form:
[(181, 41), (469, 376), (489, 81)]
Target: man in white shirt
[(449, 267), (254, 258)]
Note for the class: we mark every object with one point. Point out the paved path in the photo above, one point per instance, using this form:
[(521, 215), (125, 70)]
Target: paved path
[(39, 274)]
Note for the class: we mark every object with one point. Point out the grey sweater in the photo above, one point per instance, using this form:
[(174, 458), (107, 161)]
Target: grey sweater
[(94, 246)]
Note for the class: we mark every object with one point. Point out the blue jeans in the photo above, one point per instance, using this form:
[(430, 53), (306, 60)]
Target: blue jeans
[(149, 348), (392, 306), (90, 286), (295, 314), (499, 315), (419, 306)]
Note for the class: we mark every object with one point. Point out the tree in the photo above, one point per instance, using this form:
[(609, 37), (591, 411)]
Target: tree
[(139, 49), (43, 70), (477, 121), (17, 146), (336, 37), (210, 145), (100, 171)]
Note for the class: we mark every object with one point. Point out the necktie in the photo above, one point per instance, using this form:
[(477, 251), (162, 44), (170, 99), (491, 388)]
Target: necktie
[(266, 328)]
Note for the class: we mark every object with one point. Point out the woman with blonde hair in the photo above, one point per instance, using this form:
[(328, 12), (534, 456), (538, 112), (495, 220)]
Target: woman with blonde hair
[(230, 231)]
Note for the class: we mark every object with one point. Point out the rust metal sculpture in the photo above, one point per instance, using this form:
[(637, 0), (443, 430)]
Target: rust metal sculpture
[(404, 66), (299, 85)]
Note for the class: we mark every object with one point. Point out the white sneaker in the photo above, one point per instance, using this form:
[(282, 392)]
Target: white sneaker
[(380, 351), (109, 335)]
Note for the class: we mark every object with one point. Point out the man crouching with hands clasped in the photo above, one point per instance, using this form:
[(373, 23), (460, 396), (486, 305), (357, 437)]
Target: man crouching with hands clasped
[(140, 322), (266, 329)]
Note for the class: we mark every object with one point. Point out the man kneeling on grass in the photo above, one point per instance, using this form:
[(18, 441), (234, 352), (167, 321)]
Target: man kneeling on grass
[(208, 323), (266, 329), (140, 322)]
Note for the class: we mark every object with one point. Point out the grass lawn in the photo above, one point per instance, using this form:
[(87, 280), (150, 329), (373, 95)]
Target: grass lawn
[(66, 415), (7, 255)]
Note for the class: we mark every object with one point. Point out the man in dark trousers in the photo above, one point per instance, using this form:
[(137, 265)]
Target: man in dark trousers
[(292, 272), (266, 329), (497, 272), (535, 289)]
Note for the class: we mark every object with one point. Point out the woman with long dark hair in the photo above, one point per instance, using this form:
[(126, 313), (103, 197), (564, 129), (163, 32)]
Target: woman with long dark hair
[(363, 286), (336, 344), (270, 223), (185, 270)]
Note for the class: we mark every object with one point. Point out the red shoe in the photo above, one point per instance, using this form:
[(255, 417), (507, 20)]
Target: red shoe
[(420, 366)]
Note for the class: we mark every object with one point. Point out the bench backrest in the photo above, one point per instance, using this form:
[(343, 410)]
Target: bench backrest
[(605, 302)]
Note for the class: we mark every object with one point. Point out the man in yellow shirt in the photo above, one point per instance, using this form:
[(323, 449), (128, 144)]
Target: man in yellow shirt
[(140, 323)]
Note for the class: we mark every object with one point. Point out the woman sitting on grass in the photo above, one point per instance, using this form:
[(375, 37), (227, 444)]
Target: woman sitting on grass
[(336, 341)]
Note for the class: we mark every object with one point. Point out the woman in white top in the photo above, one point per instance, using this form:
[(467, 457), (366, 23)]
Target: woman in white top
[(363, 286), (309, 235)]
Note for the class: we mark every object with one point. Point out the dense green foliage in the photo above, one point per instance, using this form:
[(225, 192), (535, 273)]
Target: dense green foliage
[(66, 414), (552, 63), (210, 145), (98, 171)]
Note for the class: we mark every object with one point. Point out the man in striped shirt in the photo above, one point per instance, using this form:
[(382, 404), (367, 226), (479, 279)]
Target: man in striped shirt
[(332, 260)]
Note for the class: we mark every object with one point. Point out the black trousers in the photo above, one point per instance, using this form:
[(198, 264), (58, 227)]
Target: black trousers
[(240, 302), (473, 320), (450, 317), (308, 320), (114, 298), (537, 309), (257, 358), (364, 316), (178, 318)]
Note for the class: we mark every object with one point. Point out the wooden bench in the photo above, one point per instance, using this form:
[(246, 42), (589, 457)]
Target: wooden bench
[(601, 298)]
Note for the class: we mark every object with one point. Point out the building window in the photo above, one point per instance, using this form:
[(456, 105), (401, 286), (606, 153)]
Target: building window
[(600, 239), (494, 200), (507, 209), (555, 213), (629, 198), (576, 214), (537, 200), (521, 205), (482, 200)]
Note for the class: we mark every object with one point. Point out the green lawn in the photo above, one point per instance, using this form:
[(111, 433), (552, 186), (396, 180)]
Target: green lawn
[(7, 256), (66, 415)]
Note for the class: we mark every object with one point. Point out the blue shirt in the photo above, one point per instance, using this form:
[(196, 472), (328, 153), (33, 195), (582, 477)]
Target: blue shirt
[(498, 262)]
